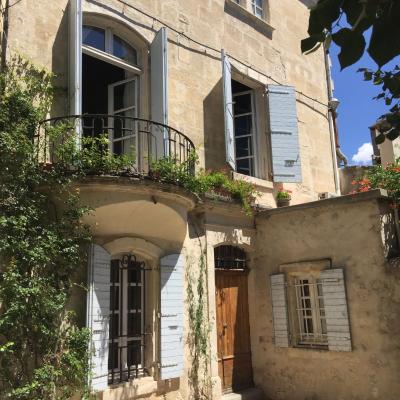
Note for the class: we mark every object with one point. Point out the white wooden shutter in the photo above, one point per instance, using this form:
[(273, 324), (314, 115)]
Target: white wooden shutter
[(337, 319), (279, 310), (172, 305), (75, 56), (98, 310), (228, 110), (284, 133), (159, 91)]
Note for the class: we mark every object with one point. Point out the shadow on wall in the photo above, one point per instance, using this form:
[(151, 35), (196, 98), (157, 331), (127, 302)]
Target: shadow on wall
[(60, 67), (389, 234), (214, 136)]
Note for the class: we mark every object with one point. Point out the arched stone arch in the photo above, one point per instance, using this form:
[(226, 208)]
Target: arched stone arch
[(141, 247)]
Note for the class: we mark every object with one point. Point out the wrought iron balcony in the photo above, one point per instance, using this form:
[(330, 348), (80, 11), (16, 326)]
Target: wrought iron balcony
[(140, 141)]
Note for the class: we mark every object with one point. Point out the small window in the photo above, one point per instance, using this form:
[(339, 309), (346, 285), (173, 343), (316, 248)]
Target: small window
[(310, 309), (230, 257), (257, 7)]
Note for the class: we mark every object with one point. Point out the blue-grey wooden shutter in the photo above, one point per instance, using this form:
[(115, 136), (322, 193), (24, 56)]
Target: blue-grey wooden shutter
[(98, 311), (75, 56), (284, 133), (279, 310), (159, 92), (228, 111), (172, 306), (335, 304)]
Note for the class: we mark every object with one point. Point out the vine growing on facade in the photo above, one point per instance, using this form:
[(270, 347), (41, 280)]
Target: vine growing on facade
[(43, 350)]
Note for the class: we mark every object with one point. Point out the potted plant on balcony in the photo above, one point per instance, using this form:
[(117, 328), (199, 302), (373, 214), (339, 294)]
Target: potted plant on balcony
[(283, 197)]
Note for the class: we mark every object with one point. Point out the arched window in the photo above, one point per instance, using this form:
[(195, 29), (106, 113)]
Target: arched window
[(105, 40), (230, 257)]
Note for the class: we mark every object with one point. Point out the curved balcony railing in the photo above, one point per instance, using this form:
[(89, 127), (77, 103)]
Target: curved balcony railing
[(142, 141)]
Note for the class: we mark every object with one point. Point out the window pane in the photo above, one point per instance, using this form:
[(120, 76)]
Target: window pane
[(244, 166), (94, 37), (134, 297), (134, 275), (113, 356), (134, 324), (114, 297), (114, 271), (134, 350), (243, 147), (242, 104), (243, 125), (114, 326), (123, 50), (124, 95)]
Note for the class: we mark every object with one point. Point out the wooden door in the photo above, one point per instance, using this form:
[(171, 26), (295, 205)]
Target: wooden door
[(234, 353)]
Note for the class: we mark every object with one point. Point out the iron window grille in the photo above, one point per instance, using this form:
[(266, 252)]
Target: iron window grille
[(230, 257), (310, 310), (127, 337)]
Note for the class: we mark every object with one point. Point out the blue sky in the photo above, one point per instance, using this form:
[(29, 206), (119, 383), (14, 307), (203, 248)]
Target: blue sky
[(357, 110)]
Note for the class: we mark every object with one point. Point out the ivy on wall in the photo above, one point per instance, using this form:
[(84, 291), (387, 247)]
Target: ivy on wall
[(43, 352)]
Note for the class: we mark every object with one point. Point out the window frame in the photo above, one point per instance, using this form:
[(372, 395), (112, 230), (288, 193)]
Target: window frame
[(254, 7), (122, 339), (253, 135), (319, 337), (107, 55)]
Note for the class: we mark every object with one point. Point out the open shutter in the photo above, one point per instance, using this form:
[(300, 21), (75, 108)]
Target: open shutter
[(172, 269), (159, 91), (337, 319), (75, 57), (98, 306), (228, 111), (284, 133), (279, 310)]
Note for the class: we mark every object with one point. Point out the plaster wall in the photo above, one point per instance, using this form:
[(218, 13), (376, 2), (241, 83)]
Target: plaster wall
[(349, 233), (267, 51)]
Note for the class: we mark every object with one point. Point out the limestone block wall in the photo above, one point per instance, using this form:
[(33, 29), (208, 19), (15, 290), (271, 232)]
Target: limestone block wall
[(349, 232), (264, 52)]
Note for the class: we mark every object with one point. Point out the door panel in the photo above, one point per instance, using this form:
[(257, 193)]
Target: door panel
[(234, 353)]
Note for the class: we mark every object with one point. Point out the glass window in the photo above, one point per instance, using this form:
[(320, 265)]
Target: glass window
[(123, 50), (94, 37), (257, 7)]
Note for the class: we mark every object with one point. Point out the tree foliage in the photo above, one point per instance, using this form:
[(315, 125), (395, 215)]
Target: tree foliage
[(382, 18), (43, 353)]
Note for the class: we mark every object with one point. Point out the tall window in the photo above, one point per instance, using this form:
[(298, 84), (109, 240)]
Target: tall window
[(310, 310), (257, 7), (126, 337), (244, 123)]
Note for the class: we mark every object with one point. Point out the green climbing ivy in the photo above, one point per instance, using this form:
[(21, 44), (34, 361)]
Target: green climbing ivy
[(199, 328), (43, 351), (203, 182)]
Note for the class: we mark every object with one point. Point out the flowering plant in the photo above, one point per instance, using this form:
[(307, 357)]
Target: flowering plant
[(381, 177), (283, 194)]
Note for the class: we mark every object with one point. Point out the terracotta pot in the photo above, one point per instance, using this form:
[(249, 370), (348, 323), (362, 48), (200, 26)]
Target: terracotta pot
[(283, 202)]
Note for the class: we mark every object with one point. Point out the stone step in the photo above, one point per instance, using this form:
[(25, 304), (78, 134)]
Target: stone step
[(248, 394)]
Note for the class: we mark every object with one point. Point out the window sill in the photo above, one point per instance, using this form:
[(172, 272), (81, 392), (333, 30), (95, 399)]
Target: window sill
[(259, 183), (144, 386), (242, 13)]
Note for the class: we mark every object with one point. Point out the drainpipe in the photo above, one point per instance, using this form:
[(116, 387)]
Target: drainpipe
[(331, 119)]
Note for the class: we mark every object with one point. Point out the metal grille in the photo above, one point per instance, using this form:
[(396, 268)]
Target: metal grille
[(142, 140), (310, 312), (230, 257), (127, 338)]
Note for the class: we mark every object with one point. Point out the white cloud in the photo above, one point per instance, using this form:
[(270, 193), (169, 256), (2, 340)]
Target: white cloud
[(363, 155)]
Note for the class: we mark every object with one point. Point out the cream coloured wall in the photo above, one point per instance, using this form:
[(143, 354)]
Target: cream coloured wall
[(195, 89), (349, 232)]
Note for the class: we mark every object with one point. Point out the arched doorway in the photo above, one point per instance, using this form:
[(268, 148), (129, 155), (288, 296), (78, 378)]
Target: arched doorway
[(233, 330)]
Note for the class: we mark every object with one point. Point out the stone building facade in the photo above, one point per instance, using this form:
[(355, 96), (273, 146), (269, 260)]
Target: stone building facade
[(227, 78)]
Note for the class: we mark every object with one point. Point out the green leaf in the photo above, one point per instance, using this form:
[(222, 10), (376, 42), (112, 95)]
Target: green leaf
[(385, 39), (352, 46), (323, 15), (310, 42)]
